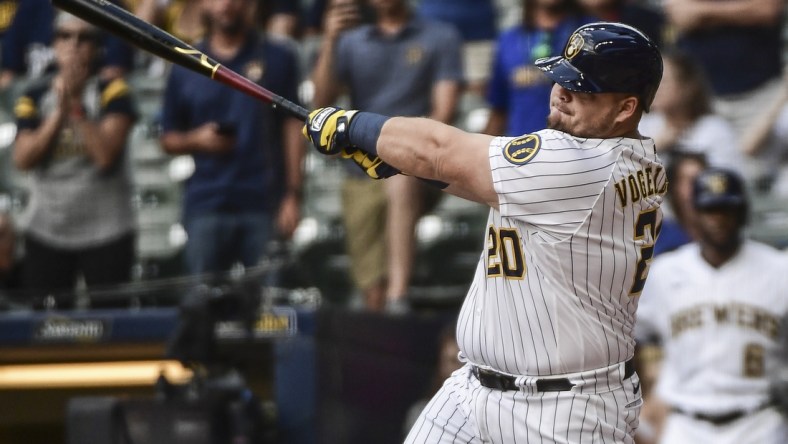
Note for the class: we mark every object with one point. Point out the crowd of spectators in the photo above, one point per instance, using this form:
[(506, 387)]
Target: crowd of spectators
[(723, 96)]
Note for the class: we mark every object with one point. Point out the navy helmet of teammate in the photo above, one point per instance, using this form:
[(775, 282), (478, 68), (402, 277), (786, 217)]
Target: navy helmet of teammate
[(721, 203), (720, 189)]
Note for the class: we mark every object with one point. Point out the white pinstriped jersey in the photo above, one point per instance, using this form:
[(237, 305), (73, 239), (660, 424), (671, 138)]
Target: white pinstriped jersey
[(719, 326), (567, 254)]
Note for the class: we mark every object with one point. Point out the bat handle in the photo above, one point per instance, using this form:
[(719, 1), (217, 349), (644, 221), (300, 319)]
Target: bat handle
[(229, 77), (293, 109)]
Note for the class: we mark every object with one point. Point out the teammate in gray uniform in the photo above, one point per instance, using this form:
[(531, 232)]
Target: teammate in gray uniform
[(716, 305), (546, 327)]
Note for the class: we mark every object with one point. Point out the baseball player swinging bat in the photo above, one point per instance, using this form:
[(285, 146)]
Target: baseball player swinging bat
[(116, 20)]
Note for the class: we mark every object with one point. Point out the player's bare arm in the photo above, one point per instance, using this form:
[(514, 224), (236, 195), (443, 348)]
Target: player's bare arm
[(415, 146), (426, 148)]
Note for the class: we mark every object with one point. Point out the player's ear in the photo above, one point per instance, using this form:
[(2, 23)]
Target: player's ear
[(628, 107)]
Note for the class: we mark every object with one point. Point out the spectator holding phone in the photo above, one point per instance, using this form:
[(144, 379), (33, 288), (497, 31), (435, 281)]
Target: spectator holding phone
[(248, 158)]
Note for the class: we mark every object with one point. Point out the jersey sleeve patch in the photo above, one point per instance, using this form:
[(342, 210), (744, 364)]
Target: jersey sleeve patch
[(521, 150)]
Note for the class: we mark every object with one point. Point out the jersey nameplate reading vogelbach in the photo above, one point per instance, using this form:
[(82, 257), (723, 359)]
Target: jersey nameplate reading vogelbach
[(640, 185)]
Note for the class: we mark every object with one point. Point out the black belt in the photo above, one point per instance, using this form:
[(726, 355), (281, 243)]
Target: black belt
[(721, 419), (499, 381)]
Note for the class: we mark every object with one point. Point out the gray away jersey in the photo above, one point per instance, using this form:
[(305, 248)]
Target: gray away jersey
[(566, 254)]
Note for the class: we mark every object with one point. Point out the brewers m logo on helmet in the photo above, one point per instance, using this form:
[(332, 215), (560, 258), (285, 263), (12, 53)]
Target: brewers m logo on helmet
[(573, 46), (521, 150)]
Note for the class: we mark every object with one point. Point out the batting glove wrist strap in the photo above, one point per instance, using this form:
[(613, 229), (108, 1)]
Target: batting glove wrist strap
[(365, 130)]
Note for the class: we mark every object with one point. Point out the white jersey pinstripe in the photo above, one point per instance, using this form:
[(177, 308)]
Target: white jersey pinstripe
[(555, 291)]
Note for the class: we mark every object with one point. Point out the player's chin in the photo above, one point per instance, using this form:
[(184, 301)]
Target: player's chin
[(562, 124), (555, 121)]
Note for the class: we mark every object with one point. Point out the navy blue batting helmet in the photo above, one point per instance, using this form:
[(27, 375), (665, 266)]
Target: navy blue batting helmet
[(718, 188), (607, 57)]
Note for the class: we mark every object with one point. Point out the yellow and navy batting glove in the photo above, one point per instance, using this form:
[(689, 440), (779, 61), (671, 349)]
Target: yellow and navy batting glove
[(327, 129), (373, 166)]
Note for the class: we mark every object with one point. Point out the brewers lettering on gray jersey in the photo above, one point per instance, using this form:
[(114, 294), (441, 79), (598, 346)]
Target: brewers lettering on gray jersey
[(567, 254)]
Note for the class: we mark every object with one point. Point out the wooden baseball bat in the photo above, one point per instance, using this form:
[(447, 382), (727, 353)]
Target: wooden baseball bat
[(148, 37)]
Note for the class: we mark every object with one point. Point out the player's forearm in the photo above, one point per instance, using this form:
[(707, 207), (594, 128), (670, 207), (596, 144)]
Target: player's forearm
[(385, 146), (413, 146), (432, 150), (31, 146)]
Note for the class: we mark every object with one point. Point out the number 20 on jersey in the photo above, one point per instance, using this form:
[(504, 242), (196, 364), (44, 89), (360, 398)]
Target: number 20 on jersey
[(505, 253)]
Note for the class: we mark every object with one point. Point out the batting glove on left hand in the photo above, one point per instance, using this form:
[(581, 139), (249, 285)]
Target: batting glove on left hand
[(327, 129), (373, 166)]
